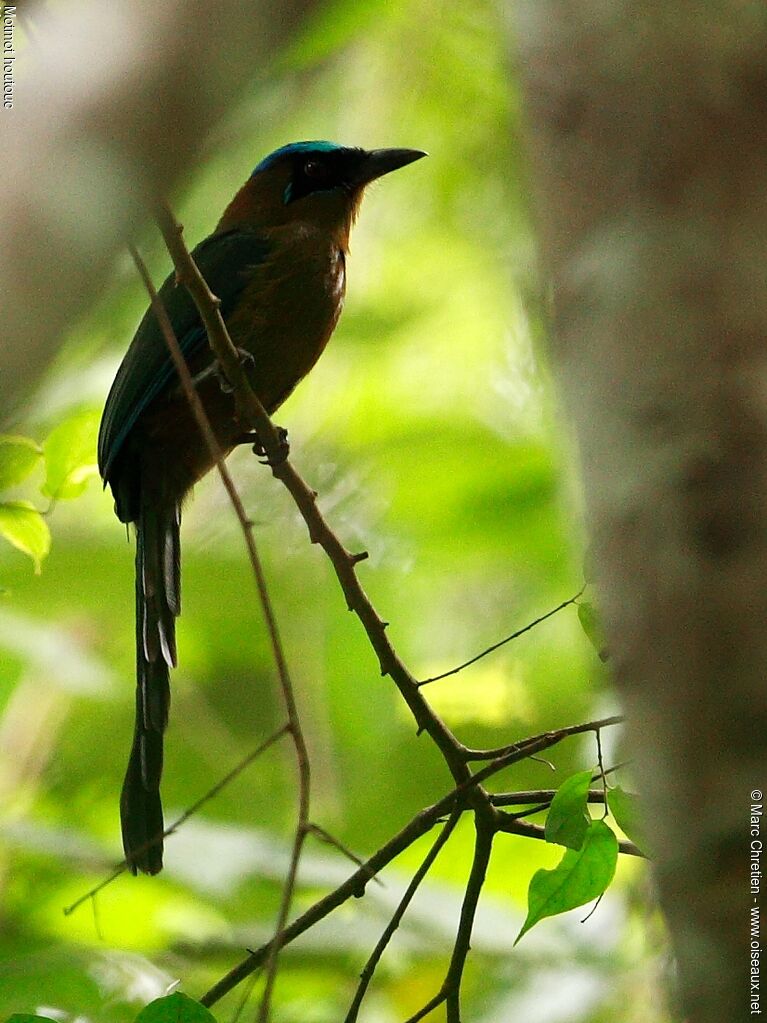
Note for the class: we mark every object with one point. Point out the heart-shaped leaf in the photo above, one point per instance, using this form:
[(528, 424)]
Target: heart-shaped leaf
[(70, 452), (175, 1008), (18, 457), (588, 616), (625, 808), (23, 1017), (22, 525), (580, 877), (567, 821)]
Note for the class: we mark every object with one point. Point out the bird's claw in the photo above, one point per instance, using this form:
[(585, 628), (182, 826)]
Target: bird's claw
[(283, 446), (248, 364), (280, 455)]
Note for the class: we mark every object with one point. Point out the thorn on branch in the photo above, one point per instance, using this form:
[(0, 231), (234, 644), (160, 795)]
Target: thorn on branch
[(356, 558), (325, 836)]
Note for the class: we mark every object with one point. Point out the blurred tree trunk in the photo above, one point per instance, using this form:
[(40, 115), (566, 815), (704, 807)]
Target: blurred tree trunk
[(112, 105), (648, 136)]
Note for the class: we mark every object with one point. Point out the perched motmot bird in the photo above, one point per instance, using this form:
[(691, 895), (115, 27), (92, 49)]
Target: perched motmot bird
[(277, 262)]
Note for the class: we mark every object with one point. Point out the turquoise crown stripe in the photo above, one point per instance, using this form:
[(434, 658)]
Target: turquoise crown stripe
[(296, 147)]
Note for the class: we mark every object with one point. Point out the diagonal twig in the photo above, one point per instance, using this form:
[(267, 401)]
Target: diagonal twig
[(197, 805), (253, 414), (353, 887), (545, 796), (370, 966), (536, 743), (325, 836), (483, 846), (512, 825), (503, 642), (450, 991)]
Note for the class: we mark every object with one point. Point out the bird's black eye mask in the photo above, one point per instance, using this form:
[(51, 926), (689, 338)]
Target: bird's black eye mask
[(322, 172)]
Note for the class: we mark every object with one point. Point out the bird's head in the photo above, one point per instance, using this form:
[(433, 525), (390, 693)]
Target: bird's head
[(318, 182)]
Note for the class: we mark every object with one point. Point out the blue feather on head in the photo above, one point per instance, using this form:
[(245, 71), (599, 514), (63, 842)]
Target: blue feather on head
[(321, 146)]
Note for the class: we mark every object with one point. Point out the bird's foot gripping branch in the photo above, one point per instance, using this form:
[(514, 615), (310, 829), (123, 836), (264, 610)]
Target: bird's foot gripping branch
[(248, 365), (258, 448)]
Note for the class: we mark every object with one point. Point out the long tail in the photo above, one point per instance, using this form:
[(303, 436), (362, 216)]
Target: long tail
[(158, 581)]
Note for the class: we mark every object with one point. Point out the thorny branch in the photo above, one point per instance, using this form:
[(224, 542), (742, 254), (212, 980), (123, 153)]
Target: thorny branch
[(353, 887), (485, 825), (418, 826), (467, 793), (188, 275)]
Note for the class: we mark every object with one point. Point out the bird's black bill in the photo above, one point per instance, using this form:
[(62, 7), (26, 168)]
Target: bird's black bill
[(382, 161)]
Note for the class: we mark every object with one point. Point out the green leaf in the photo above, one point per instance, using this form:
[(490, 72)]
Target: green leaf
[(70, 452), (625, 808), (580, 877), (175, 1008), (23, 526), (18, 457), (591, 624), (23, 1017), (567, 821)]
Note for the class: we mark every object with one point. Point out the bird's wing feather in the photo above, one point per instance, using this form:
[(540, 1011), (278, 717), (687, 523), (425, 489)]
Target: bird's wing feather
[(225, 261)]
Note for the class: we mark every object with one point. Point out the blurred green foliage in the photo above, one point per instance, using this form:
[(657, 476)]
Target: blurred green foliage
[(428, 429), (21, 523), (67, 456)]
